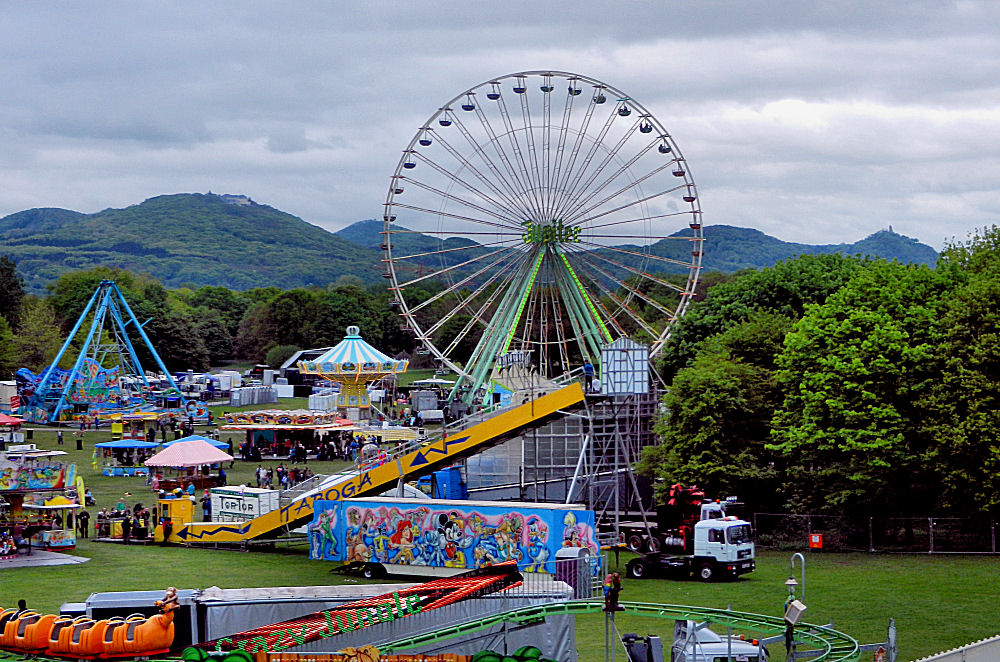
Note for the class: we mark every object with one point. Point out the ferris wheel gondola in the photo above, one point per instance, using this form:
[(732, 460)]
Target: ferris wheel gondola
[(560, 222)]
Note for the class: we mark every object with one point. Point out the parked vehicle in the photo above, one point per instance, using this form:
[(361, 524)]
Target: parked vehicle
[(675, 521), (703, 645), (722, 548)]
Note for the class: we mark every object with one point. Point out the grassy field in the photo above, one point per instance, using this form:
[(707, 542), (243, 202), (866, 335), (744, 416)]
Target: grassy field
[(938, 601), (108, 490)]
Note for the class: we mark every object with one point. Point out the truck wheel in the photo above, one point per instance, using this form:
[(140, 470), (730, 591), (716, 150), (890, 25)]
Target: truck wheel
[(372, 571), (636, 569), (634, 543), (706, 572), (653, 546)]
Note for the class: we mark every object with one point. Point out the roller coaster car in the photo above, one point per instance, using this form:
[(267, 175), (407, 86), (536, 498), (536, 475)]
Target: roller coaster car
[(142, 636), (33, 632), (120, 641), (6, 616), (91, 642), (65, 631)]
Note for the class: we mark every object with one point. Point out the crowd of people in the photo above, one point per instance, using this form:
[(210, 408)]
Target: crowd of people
[(281, 477)]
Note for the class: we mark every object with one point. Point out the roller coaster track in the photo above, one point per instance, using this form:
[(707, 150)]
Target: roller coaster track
[(831, 646)]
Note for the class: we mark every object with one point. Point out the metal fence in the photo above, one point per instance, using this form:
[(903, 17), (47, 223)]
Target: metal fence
[(924, 535)]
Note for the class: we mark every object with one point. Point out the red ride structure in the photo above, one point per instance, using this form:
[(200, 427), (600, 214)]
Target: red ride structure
[(369, 611)]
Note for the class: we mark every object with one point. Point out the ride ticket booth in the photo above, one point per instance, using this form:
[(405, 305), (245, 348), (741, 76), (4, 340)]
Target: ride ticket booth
[(174, 514)]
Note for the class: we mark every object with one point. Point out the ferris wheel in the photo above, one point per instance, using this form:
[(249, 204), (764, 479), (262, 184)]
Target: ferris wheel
[(541, 212)]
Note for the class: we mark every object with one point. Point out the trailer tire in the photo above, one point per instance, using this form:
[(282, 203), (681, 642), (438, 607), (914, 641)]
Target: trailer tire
[(706, 572), (636, 569), (653, 545), (634, 543), (372, 571)]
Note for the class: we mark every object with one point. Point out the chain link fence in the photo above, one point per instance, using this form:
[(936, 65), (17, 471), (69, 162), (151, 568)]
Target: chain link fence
[(924, 535)]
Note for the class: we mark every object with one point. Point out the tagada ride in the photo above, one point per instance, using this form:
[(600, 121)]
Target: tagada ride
[(353, 364)]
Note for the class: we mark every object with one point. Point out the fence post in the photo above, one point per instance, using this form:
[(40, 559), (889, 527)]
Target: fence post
[(871, 535), (930, 529), (993, 536)]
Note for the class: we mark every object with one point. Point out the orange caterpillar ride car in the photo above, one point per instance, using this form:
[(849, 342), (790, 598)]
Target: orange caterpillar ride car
[(84, 638)]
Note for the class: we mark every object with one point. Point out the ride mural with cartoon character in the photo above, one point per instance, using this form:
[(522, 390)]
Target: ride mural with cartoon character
[(452, 534)]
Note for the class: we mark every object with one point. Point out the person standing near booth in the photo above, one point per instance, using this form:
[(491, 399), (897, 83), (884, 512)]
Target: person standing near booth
[(83, 523)]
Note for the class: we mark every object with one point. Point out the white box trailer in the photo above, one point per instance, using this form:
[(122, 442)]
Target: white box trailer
[(239, 504), (8, 389)]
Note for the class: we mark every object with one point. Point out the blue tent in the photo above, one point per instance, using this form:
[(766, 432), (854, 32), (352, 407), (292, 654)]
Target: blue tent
[(126, 443), (197, 437)]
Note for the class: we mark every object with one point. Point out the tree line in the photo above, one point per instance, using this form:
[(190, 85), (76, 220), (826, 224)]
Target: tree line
[(194, 328), (840, 385)]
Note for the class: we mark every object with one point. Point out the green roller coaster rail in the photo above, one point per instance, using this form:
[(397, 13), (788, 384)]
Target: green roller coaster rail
[(832, 646)]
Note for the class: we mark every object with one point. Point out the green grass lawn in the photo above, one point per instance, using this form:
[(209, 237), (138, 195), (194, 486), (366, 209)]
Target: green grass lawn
[(938, 601)]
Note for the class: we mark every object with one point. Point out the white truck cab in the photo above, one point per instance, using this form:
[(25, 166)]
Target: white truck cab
[(723, 546)]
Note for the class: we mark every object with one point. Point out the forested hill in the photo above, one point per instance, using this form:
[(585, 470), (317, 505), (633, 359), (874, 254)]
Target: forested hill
[(730, 249), (185, 239), (228, 240), (727, 248)]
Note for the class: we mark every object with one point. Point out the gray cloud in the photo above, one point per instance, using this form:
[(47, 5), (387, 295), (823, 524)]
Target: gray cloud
[(816, 122)]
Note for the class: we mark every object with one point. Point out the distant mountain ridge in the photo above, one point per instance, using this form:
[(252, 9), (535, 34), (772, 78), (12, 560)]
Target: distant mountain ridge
[(194, 239), (185, 239), (727, 248)]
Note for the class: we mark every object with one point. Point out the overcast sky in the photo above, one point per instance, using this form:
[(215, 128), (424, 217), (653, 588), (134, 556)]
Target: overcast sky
[(819, 122)]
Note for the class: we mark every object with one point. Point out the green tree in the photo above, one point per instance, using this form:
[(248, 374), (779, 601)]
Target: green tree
[(38, 337), (70, 294), (231, 306), (853, 371), (8, 351), (214, 332), (11, 290), (784, 289), (962, 410), (279, 354), (718, 416)]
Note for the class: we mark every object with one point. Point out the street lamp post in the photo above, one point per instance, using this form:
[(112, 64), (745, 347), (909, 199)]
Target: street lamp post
[(802, 559), (790, 584)]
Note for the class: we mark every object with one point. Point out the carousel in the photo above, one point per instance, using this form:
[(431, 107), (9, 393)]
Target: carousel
[(353, 364)]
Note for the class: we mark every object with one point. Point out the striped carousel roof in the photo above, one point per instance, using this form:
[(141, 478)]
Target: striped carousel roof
[(352, 356)]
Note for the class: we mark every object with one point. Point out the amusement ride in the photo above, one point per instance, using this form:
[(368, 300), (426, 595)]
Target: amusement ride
[(564, 217)]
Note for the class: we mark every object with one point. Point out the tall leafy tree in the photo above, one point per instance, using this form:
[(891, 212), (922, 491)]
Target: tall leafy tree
[(38, 337), (717, 424), (962, 410), (853, 371), (784, 289), (8, 352), (11, 290)]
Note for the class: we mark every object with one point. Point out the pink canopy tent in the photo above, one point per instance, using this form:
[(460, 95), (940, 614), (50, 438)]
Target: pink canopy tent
[(11, 421), (194, 453)]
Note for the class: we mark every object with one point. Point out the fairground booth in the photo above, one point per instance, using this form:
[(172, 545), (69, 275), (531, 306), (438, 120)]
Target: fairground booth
[(189, 462), (124, 457), (37, 495), (277, 433)]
